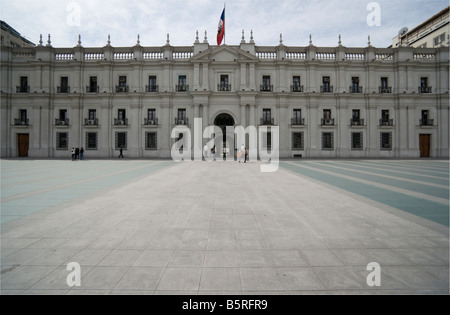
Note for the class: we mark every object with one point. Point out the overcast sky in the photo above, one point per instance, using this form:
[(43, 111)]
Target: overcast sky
[(152, 19)]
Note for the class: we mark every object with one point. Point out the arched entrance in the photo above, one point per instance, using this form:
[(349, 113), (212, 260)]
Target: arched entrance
[(227, 147)]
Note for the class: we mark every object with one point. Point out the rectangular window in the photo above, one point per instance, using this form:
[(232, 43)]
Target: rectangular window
[(121, 114), (93, 87), (181, 118), (326, 87), (327, 141), (62, 141), (355, 85), (327, 114), (24, 85), (266, 140), (424, 82), (182, 84), (384, 83), (23, 115), (224, 83), (121, 140), (151, 141), (64, 88), (386, 141), (92, 114), (426, 121), (63, 114), (267, 116), (266, 84), (152, 84), (298, 141), (297, 119), (151, 115), (91, 141), (296, 87), (122, 81), (357, 140)]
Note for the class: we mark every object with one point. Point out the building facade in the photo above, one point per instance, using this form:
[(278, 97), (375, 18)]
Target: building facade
[(9, 37), (328, 102), (433, 33)]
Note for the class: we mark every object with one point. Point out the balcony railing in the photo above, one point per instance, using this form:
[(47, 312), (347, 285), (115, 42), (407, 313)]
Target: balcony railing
[(62, 122), (22, 89), (327, 122), (425, 89), (181, 122), (326, 89), (151, 122), (92, 89), (122, 89), (91, 122), (63, 89), (356, 122), (385, 90), (355, 89), (386, 122), (182, 88), (427, 122), (298, 121), (120, 122), (224, 87), (266, 88), (267, 121), (21, 122), (151, 88), (297, 88)]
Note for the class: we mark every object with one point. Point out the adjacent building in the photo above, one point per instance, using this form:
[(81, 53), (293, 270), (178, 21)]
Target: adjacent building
[(9, 37), (328, 102)]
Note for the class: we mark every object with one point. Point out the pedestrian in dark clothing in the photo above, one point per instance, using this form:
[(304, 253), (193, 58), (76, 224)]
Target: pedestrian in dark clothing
[(246, 155), (77, 153), (81, 154), (121, 153)]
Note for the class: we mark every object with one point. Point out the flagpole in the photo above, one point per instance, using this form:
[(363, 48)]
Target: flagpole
[(224, 26)]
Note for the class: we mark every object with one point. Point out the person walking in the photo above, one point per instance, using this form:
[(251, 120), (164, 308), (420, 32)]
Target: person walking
[(246, 155), (73, 153), (77, 153), (81, 154), (121, 152), (213, 151)]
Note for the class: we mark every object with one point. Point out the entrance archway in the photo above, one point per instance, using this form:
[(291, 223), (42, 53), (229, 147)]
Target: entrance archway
[(223, 121)]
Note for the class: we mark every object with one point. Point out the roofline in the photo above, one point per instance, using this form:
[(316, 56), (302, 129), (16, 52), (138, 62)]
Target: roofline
[(434, 17), (5, 26)]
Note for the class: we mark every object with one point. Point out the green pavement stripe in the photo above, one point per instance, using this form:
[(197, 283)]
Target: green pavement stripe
[(407, 177), (431, 191), (399, 167), (20, 207), (426, 209), (404, 174)]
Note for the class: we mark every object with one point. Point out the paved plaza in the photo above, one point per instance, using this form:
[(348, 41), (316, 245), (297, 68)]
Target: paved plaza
[(160, 227)]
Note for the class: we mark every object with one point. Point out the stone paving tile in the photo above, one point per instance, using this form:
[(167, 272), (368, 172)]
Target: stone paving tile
[(187, 240)]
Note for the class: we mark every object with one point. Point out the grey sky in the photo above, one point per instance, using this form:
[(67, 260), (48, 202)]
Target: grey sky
[(152, 19)]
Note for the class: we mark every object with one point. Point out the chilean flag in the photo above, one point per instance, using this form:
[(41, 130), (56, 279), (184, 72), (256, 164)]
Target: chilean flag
[(221, 31)]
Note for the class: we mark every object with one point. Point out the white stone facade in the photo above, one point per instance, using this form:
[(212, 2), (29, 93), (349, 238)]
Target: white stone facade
[(354, 102)]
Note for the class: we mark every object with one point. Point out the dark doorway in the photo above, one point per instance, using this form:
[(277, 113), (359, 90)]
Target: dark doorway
[(424, 145), (227, 147), (23, 144)]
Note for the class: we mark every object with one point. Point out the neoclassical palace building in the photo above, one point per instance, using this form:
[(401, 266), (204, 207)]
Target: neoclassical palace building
[(328, 102)]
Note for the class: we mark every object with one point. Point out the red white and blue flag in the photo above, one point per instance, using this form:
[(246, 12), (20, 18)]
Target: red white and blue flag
[(221, 31)]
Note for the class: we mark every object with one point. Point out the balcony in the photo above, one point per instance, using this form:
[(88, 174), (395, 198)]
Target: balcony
[(425, 89), (151, 88), (21, 122), (91, 122), (427, 122), (356, 122), (267, 121), (326, 89), (181, 122), (62, 122), (182, 88), (355, 89), (22, 89), (122, 89), (224, 87), (92, 89), (327, 122), (387, 122), (150, 122), (297, 88), (385, 90), (120, 122), (266, 88), (63, 89), (298, 121)]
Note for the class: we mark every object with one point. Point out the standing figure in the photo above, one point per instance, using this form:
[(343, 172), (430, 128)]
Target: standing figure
[(121, 152), (81, 154)]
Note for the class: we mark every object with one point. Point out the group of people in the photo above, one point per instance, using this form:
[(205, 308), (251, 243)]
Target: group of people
[(241, 155), (77, 153)]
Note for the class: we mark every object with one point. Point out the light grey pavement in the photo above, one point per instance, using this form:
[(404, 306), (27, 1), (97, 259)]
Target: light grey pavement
[(157, 227)]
